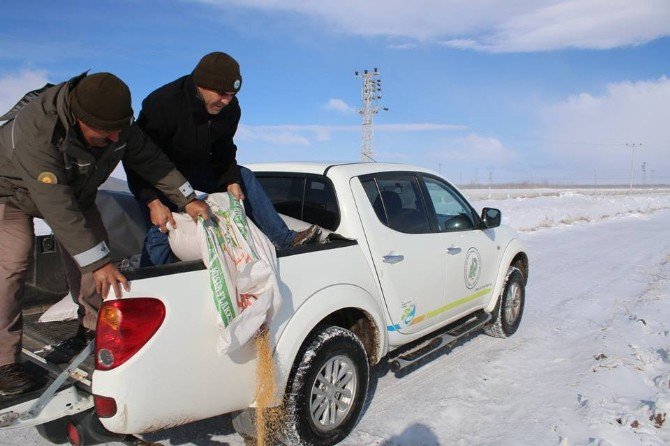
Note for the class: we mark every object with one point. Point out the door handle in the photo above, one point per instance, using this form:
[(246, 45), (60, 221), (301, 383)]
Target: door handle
[(393, 258), (453, 249)]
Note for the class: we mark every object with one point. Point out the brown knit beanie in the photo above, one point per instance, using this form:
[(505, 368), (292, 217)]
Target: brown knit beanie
[(219, 72), (102, 101)]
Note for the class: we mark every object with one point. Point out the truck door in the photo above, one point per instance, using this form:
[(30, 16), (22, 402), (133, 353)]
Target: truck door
[(407, 251), (471, 253)]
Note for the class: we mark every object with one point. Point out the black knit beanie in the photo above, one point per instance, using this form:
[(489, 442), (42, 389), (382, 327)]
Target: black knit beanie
[(219, 72), (102, 101)]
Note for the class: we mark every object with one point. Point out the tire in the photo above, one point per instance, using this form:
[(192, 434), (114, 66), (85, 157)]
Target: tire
[(53, 431), (509, 309), (337, 360)]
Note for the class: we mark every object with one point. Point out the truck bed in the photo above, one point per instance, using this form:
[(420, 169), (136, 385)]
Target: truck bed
[(40, 344), (41, 340)]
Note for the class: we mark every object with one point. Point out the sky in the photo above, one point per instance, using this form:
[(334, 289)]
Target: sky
[(555, 91)]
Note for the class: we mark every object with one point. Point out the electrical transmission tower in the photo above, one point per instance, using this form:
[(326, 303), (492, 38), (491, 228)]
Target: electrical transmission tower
[(370, 94), (632, 147)]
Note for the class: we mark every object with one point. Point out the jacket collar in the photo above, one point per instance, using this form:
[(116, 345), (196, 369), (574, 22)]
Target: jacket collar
[(74, 146), (63, 101), (195, 104)]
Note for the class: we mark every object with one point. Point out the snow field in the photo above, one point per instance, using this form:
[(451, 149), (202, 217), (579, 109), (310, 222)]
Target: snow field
[(570, 207)]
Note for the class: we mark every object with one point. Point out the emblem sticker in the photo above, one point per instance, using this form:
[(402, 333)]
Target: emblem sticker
[(408, 313), (236, 84), (473, 267), (47, 178)]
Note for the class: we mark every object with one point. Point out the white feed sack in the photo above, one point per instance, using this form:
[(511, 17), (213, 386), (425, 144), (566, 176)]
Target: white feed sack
[(63, 310), (184, 240), (242, 266)]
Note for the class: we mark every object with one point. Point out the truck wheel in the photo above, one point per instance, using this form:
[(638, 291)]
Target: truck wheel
[(53, 431), (509, 309), (327, 389)]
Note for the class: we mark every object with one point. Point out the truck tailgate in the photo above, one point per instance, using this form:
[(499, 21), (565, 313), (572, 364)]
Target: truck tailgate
[(39, 346)]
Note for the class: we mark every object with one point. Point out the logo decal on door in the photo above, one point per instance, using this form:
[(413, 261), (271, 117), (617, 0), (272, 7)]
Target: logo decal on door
[(473, 267), (408, 313)]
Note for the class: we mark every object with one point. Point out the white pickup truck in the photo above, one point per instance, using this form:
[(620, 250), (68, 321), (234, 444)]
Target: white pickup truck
[(409, 267)]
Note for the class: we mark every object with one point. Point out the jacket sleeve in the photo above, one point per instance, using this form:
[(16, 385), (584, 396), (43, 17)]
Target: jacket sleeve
[(153, 122), (226, 153), (40, 165), (144, 158)]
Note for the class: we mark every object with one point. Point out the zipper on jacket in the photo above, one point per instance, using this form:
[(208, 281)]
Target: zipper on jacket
[(209, 137)]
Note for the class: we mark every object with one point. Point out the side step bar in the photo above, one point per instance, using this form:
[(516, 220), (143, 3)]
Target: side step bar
[(440, 340)]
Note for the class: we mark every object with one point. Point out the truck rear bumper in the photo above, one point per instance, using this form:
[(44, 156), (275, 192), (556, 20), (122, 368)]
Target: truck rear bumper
[(66, 402)]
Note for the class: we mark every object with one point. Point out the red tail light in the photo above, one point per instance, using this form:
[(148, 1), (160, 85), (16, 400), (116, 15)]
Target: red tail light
[(105, 406), (124, 326)]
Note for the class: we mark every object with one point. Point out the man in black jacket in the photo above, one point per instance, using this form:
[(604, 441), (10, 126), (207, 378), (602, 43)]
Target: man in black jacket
[(194, 119)]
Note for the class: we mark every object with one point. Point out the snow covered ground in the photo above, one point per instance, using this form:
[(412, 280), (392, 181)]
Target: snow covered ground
[(590, 364)]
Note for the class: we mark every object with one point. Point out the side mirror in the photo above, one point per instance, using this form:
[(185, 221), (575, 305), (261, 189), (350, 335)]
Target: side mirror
[(491, 217)]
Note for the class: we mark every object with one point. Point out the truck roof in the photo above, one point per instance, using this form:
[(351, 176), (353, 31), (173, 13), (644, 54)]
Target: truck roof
[(321, 168)]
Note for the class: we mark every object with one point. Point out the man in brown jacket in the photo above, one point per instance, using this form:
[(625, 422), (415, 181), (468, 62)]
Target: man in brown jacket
[(57, 147)]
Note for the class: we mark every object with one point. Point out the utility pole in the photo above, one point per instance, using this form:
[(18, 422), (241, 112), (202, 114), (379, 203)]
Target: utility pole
[(632, 147), (644, 173), (370, 94)]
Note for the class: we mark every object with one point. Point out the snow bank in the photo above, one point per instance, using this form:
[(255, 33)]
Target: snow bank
[(573, 207)]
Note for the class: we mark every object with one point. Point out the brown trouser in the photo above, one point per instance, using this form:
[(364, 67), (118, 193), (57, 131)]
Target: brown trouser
[(16, 249)]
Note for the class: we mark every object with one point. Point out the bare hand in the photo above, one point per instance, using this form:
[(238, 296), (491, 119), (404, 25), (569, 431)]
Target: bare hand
[(160, 215), (108, 276), (235, 190), (197, 208)]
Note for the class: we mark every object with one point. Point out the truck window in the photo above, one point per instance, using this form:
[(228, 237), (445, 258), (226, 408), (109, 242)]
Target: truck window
[(320, 206), (452, 212), (307, 197), (398, 202), (285, 192)]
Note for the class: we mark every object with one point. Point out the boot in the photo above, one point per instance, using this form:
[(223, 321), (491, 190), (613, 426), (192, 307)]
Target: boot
[(14, 380), (307, 236)]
